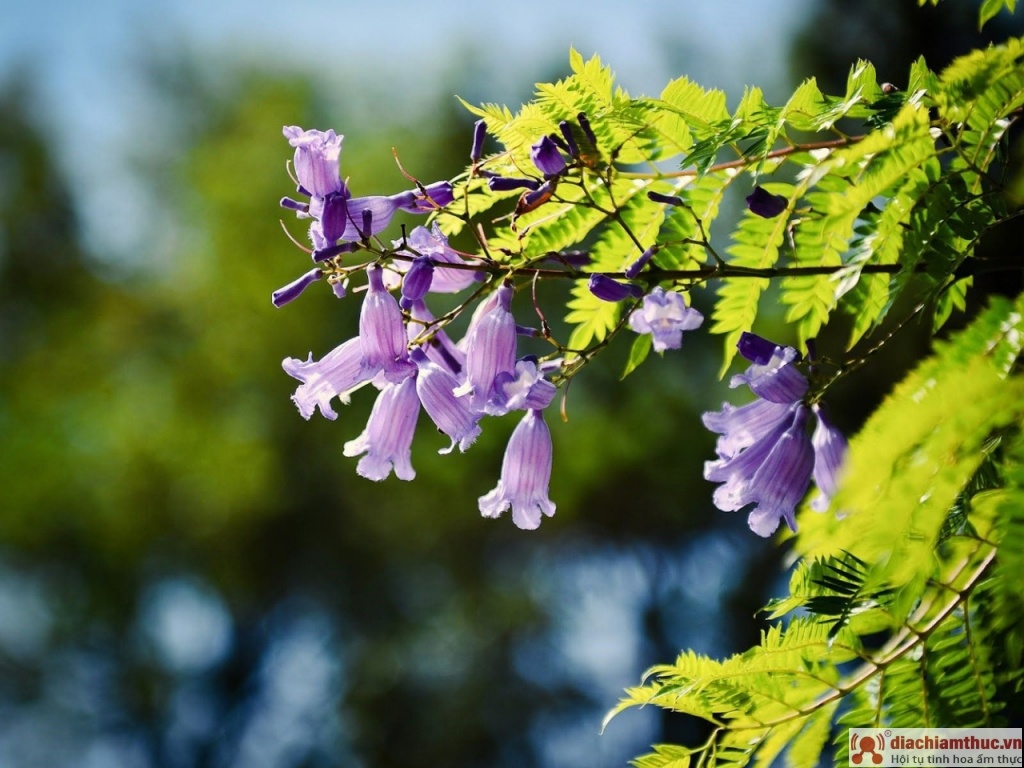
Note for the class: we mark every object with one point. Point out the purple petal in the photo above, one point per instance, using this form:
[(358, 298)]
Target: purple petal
[(317, 160), (765, 204), (547, 158), (742, 427), (777, 380), (417, 281), (665, 316), (450, 414), (490, 349), (829, 452), (338, 373), (383, 331), (607, 289)]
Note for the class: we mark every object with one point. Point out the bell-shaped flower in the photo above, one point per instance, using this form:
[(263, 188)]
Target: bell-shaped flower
[(742, 427), (829, 452), (665, 316), (773, 473), (490, 349), (338, 373), (382, 331), (417, 281), (450, 414), (317, 160), (547, 158), (387, 439), (773, 375), (525, 475)]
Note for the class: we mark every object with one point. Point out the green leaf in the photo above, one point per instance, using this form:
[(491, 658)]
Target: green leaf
[(989, 9), (638, 353)]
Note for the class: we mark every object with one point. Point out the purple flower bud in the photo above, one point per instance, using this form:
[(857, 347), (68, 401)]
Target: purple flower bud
[(339, 372), (547, 158), (433, 243), (635, 268), (507, 184), (479, 132), (290, 292), (431, 198), (665, 316), (294, 205), (317, 160), (756, 349), (537, 197), (334, 217), (607, 289), (765, 204), (570, 141), (451, 414), (382, 330), (829, 452), (581, 118), (417, 281), (339, 287), (387, 439), (573, 259), (525, 475), (657, 197), (326, 254)]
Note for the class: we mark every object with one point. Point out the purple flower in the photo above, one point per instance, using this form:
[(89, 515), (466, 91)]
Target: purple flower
[(634, 269), (547, 158), (417, 281), (382, 331), (772, 375), (766, 205), (338, 373), (607, 289), (433, 243), (525, 475), (290, 292), (526, 389), (317, 160), (773, 473), (387, 439), (570, 140), (665, 316), (450, 414), (508, 183), (479, 132), (742, 427), (490, 349), (829, 452), (435, 343)]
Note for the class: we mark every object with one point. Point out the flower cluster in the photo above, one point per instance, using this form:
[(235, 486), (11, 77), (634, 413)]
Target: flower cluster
[(765, 456), (405, 355)]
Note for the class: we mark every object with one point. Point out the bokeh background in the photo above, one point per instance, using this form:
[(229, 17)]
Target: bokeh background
[(192, 575)]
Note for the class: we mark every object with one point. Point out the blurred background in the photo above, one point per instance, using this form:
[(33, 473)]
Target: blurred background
[(192, 575)]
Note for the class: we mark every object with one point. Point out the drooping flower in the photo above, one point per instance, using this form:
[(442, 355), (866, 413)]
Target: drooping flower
[(829, 452), (772, 473), (490, 349), (665, 316), (339, 372), (525, 475), (765, 456), (387, 439), (368, 216), (382, 331), (451, 415), (317, 160), (763, 203)]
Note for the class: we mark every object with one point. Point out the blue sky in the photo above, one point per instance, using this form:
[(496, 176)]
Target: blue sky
[(85, 56)]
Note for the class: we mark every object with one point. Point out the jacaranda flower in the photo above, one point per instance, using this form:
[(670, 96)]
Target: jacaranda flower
[(490, 349), (417, 281), (339, 372), (607, 289), (368, 216), (293, 290), (525, 389), (317, 160), (525, 475), (765, 456), (772, 473), (547, 158), (450, 414), (433, 243), (382, 331), (387, 439), (829, 452), (665, 316)]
